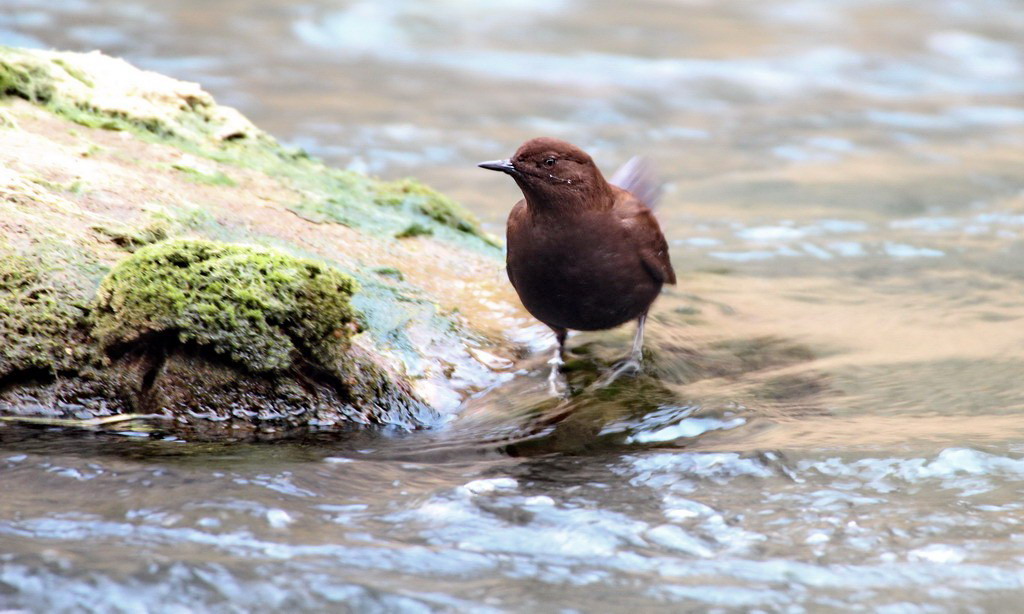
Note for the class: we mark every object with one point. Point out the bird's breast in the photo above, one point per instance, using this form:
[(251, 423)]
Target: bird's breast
[(581, 273)]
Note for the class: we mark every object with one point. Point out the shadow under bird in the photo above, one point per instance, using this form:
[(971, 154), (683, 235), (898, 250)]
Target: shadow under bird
[(583, 253)]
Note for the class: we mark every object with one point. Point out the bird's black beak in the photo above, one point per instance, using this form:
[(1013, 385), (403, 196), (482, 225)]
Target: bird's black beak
[(505, 166)]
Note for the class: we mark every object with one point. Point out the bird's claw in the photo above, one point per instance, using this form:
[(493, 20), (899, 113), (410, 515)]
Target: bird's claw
[(630, 366)]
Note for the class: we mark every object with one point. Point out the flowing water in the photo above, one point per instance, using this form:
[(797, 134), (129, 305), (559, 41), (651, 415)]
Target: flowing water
[(830, 419)]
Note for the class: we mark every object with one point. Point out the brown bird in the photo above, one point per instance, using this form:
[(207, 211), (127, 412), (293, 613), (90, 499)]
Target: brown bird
[(583, 254)]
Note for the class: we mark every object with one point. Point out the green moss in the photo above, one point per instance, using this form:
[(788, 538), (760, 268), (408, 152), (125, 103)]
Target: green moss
[(71, 187), (259, 307), (190, 217), (74, 72), (385, 208), (161, 223), (389, 271), (40, 78), (197, 176), (41, 308), (28, 80), (90, 119), (132, 238), (431, 203), (414, 230)]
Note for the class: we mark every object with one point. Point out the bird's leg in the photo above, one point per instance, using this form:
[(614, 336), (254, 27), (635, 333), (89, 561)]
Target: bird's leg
[(637, 354), (556, 383), (631, 364)]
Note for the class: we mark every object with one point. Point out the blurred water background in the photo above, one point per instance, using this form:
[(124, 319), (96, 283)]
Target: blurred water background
[(831, 417)]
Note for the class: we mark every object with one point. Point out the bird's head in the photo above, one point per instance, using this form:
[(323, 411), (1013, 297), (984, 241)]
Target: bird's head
[(552, 172)]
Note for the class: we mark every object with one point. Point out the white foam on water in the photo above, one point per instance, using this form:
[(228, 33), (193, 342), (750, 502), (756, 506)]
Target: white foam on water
[(903, 250), (938, 553), (480, 487), (689, 427)]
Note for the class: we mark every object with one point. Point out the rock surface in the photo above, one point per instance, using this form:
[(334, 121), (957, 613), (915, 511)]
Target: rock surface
[(161, 255)]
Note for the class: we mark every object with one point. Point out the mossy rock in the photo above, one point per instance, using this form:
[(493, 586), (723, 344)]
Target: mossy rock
[(258, 307), (98, 91), (95, 90), (217, 339), (209, 334), (41, 313)]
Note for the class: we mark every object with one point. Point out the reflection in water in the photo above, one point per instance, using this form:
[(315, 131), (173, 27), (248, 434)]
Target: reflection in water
[(829, 415)]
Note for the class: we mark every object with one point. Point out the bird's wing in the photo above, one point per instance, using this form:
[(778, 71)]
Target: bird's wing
[(642, 227), (639, 177), (517, 218)]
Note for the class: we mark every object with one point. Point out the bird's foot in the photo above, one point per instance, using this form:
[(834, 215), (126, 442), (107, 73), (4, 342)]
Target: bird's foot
[(631, 366), (557, 384)]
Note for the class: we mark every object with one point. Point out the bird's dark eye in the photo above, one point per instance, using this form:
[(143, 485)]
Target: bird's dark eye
[(549, 162)]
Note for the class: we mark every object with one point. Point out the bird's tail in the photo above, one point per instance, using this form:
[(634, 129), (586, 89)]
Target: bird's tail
[(639, 177)]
